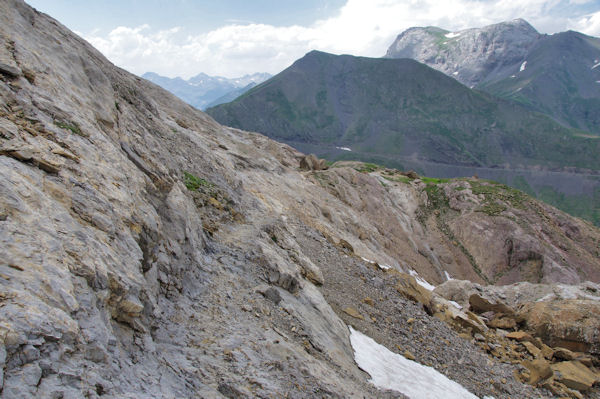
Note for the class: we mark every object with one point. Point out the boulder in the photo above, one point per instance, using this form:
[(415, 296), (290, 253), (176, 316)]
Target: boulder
[(569, 324), (502, 321), (407, 286), (408, 354), (575, 375), (547, 351), (531, 348), (411, 174), (346, 245), (458, 291), (539, 370), (311, 162), (456, 318), (481, 304), (354, 313), (563, 354), (519, 336)]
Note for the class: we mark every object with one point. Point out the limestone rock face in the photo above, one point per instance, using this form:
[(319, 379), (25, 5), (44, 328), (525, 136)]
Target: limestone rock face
[(127, 267)]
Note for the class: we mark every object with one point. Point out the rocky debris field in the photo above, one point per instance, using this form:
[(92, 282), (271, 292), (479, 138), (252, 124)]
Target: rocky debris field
[(373, 301), (147, 251)]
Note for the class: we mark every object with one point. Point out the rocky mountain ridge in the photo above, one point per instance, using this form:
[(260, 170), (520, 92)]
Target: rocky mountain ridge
[(203, 91), (553, 74), (471, 56), (147, 251)]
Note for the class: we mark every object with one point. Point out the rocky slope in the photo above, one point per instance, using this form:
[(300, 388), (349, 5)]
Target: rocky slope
[(556, 74), (203, 91), (147, 251)]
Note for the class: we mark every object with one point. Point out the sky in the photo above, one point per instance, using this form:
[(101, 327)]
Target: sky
[(232, 38)]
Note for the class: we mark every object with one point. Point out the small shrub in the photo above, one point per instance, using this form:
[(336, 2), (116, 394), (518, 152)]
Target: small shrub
[(492, 208), (194, 183), (436, 197), (493, 191), (433, 180), (398, 179), (71, 126), (367, 168)]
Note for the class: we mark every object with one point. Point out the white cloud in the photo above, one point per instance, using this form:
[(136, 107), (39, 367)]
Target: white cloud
[(588, 24), (361, 28)]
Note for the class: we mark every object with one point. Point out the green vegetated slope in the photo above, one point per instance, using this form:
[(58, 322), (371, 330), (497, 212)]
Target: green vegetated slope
[(583, 205), (561, 78), (399, 108)]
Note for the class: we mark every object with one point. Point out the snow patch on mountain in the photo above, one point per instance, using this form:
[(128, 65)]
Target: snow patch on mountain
[(523, 66), (389, 370)]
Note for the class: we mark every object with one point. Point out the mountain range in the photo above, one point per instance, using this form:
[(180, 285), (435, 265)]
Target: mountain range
[(558, 75), (203, 91), (404, 114), (146, 251)]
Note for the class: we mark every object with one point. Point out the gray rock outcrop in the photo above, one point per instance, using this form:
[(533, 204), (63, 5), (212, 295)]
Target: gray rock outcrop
[(471, 55)]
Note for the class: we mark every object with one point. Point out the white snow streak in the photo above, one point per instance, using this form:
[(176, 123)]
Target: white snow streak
[(597, 65), (546, 298), (422, 282), (382, 267), (343, 148), (452, 35), (389, 370), (523, 66), (448, 276), (456, 305)]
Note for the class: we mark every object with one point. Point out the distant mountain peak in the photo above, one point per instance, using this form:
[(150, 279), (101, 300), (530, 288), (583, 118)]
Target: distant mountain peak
[(548, 73), (468, 55), (203, 90)]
